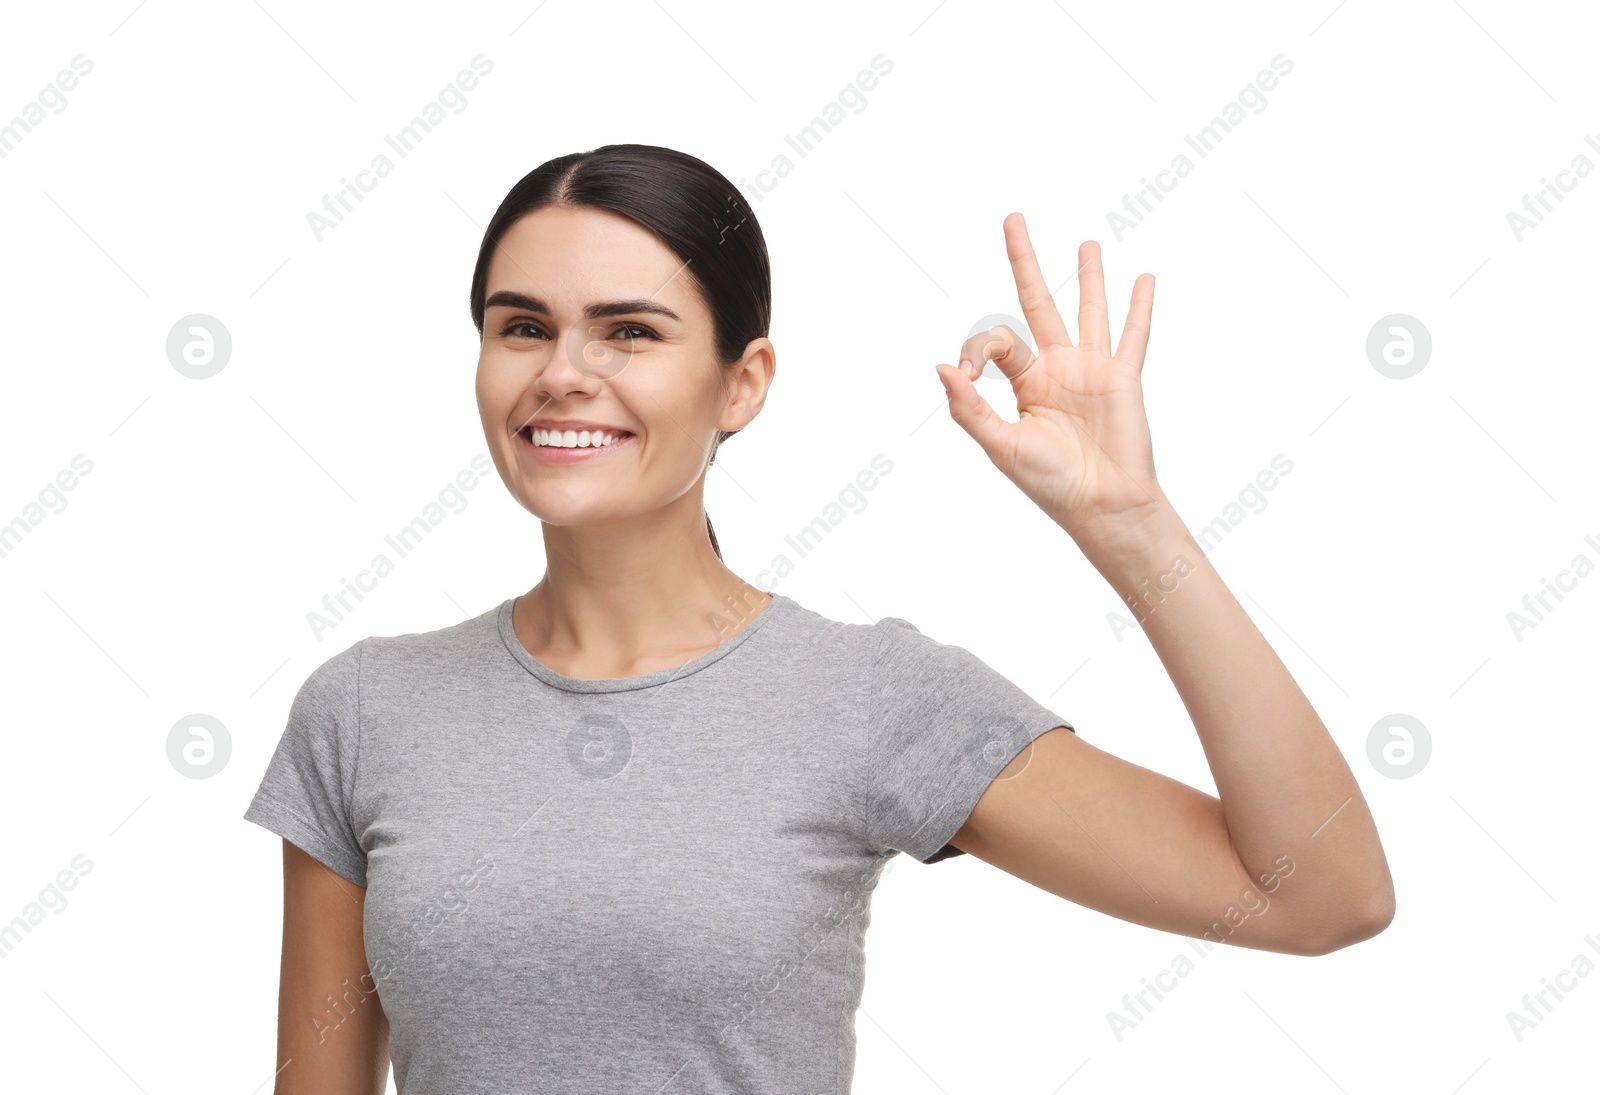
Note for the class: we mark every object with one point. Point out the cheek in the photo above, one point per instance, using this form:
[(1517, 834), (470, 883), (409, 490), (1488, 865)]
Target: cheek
[(678, 431), (495, 399), (681, 403), (495, 387), (483, 382)]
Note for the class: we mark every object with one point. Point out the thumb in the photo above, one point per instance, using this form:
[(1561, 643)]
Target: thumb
[(972, 412)]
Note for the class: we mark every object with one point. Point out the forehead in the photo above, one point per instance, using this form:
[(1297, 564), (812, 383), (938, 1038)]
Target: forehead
[(572, 256)]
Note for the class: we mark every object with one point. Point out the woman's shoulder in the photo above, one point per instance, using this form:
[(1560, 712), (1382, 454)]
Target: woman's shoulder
[(865, 640), (410, 651), (794, 616)]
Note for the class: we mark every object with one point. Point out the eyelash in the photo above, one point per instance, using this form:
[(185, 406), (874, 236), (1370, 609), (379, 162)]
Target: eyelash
[(647, 332)]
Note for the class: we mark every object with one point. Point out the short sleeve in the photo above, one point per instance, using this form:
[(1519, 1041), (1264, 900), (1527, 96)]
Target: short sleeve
[(942, 723), (309, 783)]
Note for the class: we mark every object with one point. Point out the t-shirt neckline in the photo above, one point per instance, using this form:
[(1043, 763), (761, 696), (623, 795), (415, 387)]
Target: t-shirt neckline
[(508, 635)]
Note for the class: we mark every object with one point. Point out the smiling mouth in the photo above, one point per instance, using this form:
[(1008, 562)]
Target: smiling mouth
[(571, 444)]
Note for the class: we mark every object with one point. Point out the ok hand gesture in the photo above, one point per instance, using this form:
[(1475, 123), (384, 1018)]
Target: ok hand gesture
[(1081, 446)]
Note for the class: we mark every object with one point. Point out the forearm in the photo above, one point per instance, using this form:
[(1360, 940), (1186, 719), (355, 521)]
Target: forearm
[(1284, 786)]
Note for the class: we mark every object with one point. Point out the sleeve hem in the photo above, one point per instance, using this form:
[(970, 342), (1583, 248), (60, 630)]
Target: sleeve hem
[(932, 842), (274, 816)]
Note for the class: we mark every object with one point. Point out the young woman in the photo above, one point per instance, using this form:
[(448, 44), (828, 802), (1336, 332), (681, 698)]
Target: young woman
[(620, 833)]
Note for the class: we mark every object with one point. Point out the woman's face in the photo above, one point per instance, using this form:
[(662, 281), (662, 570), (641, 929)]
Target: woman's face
[(590, 319)]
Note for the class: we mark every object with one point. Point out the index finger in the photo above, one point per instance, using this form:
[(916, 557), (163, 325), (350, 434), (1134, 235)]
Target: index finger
[(1038, 307)]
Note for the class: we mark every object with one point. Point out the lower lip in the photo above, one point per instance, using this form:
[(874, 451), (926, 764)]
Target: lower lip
[(551, 454)]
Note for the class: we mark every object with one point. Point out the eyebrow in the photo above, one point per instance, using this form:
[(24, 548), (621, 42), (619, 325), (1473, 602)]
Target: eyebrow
[(510, 299)]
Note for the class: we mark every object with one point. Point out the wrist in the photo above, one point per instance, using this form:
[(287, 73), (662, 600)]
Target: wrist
[(1150, 552)]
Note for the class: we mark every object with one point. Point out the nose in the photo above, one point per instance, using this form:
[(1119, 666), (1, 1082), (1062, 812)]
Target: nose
[(581, 356)]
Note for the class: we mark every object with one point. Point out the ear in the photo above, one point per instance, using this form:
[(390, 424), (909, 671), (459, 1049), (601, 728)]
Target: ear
[(748, 382)]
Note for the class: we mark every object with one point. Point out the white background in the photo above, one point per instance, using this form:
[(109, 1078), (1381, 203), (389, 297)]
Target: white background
[(1418, 514)]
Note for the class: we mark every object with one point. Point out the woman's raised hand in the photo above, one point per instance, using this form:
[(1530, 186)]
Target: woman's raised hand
[(1081, 446)]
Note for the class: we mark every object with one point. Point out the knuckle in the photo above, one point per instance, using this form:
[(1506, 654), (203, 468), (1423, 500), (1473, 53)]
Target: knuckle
[(1032, 299)]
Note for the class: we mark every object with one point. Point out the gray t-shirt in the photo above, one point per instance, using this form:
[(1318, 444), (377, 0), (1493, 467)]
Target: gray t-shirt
[(642, 884)]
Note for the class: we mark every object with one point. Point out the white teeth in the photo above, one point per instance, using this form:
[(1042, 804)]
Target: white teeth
[(574, 439)]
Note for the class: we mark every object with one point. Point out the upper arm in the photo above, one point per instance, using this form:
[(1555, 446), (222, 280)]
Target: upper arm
[(1112, 836), (323, 1048)]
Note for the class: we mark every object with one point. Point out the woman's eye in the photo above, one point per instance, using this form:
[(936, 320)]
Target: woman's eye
[(629, 331)]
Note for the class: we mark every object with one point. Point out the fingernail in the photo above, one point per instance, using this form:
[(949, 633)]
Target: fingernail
[(943, 381), (966, 367)]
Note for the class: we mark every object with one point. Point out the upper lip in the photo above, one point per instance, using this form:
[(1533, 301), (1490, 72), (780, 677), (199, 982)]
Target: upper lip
[(574, 424)]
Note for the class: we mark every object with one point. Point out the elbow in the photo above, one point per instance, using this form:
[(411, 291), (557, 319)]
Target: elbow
[(1377, 914)]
